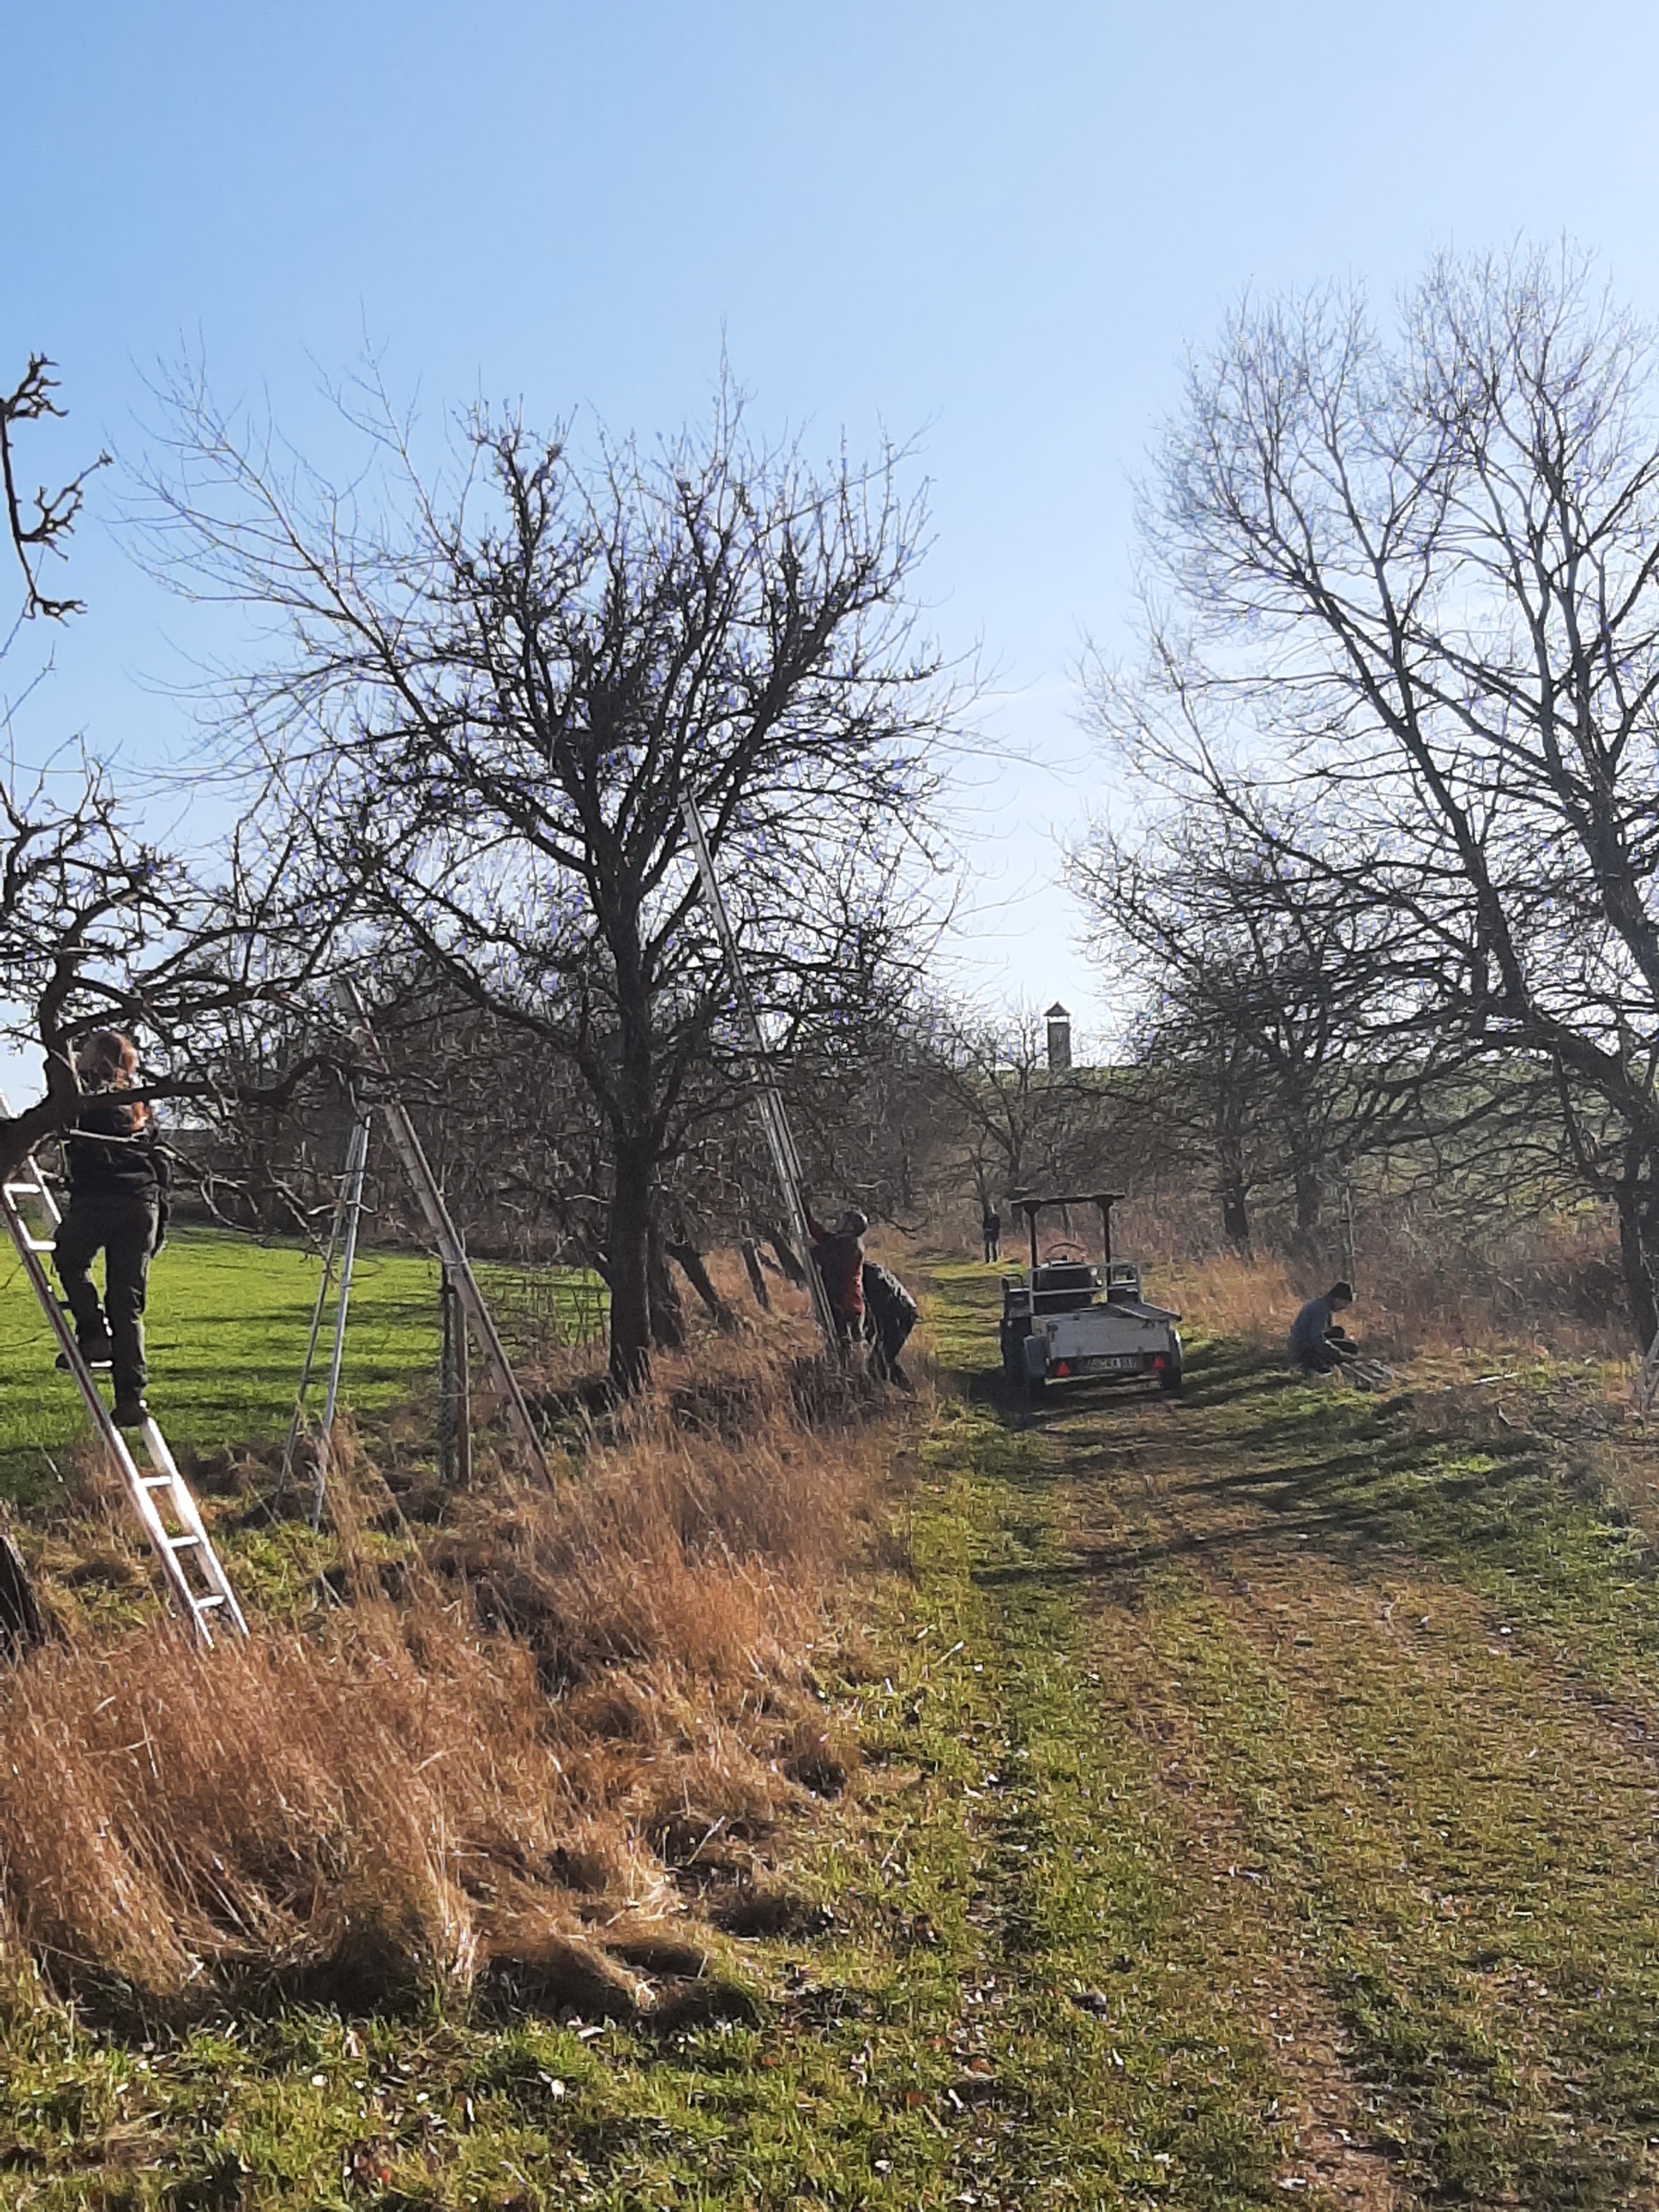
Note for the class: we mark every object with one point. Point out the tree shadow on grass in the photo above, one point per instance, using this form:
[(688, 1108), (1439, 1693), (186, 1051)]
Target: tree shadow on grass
[(1252, 1460)]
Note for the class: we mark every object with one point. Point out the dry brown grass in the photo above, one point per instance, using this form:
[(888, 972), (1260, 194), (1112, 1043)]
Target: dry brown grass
[(581, 1708), (1251, 1300), (1548, 1283)]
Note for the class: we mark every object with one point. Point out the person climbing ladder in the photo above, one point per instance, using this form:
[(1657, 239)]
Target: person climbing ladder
[(838, 1254), (118, 1180)]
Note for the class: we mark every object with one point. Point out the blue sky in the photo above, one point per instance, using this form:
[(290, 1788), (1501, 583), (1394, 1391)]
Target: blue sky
[(991, 229)]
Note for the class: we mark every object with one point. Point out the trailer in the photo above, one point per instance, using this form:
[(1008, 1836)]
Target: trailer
[(1068, 1319)]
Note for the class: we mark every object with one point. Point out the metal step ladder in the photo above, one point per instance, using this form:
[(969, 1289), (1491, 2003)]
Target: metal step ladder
[(342, 1247), (162, 1499), (424, 1184)]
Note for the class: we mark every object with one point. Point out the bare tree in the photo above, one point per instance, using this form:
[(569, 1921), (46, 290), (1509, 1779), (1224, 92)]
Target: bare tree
[(98, 925), (44, 534), (1264, 1035), (492, 707), (997, 1075), (76, 887), (1017, 1122), (1418, 577)]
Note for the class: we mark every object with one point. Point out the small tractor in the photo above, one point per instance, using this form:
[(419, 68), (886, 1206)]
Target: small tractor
[(1066, 1319)]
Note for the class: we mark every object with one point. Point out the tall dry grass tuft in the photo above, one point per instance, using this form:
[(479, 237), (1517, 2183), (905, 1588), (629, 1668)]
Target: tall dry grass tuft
[(579, 1704), (1427, 1281), (697, 1537), (1252, 1301), (1550, 1280), (169, 1815)]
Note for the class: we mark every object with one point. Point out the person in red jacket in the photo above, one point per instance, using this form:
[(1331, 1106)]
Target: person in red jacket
[(838, 1256)]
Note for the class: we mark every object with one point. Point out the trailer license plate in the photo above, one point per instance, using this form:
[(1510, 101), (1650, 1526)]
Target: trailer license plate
[(1108, 1363)]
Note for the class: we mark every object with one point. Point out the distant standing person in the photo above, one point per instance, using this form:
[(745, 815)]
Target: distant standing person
[(838, 1254), (992, 1226), (1317, 1343), (117, 1205)]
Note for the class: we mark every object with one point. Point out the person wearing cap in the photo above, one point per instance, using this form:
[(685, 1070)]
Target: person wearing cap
[(838, 1254), (1316, 1345)]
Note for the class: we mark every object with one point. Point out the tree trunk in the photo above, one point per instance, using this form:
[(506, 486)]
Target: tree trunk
[(757, 1280), (667, 1308), (1636, 1229), (1234, 1209), (628, 1257), (690, 1261), (1309, 1199), (23, 1624), (455, 1388), (21, 1136), (637, 1305), (788, 1259)]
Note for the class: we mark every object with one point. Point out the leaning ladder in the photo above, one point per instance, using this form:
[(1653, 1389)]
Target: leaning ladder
[(450, 1250), (342, 1246), (768, 1100), (155, 1497)]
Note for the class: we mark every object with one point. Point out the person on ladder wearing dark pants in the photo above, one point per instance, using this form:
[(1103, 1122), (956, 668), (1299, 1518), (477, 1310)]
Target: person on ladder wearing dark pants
[(117, 1205)]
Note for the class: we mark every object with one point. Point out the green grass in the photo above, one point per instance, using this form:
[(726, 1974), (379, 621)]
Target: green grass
[(226, 1330), (932, 2046), (1400, 1662)]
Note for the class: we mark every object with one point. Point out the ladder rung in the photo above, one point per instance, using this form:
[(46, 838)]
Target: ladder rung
[(155, 1443)]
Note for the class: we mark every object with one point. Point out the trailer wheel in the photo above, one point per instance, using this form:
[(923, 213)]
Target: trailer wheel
[(1036, 1388)]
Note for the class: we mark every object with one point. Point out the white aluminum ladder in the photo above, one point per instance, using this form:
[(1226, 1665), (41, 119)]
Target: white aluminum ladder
[(155, 1497), (768, 1099), (342, 1245), (451, 1251)]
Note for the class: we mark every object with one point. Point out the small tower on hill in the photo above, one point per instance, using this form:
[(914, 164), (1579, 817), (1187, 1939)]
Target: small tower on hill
[(1059, 1037)]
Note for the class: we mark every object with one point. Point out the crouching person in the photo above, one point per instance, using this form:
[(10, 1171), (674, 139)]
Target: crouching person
[(890, 1315), (1318, 1344), (117, 1205)]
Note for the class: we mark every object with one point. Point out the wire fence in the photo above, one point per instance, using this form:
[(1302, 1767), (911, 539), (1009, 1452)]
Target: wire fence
[(558, 1306)]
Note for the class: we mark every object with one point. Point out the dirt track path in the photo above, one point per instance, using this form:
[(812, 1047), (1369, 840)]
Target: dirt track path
[(1402, 1697)]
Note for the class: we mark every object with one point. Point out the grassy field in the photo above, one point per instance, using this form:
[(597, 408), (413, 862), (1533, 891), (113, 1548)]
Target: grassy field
[(226, 1330), (1257, 1800)]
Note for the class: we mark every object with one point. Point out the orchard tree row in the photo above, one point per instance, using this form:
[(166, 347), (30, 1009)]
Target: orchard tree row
[(1378, 885)]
